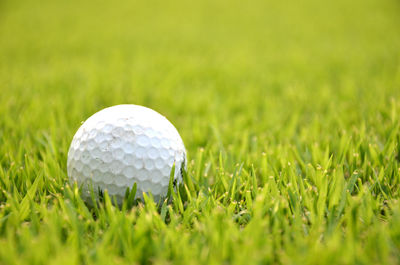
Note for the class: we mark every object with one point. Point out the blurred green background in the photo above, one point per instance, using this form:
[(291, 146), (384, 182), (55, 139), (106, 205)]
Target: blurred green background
[(280, 89), (222, 61)]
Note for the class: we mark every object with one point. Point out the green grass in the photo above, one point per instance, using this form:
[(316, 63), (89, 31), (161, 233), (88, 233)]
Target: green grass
[(290, 113)]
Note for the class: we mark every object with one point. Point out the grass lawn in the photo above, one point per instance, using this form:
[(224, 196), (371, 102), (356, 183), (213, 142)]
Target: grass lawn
[(289, 110)]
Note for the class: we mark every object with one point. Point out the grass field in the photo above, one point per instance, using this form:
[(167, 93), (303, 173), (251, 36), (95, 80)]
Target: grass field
[(290, 113)]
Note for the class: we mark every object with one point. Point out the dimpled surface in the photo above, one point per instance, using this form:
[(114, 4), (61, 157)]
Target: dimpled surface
[(122, 145)]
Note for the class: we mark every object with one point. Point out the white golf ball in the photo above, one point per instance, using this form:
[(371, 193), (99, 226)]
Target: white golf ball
[(122, 145)]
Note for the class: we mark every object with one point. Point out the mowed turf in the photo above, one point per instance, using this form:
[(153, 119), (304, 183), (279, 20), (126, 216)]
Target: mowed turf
[(290, 113)]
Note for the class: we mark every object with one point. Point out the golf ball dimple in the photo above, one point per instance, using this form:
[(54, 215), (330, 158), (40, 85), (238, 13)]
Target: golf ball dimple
[(122, 145)]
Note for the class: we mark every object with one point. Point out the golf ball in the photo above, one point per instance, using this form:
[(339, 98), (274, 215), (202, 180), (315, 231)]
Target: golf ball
[(122, 145)]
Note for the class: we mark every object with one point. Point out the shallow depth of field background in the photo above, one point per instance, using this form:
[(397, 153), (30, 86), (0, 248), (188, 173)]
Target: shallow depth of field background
[(289, 110)]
